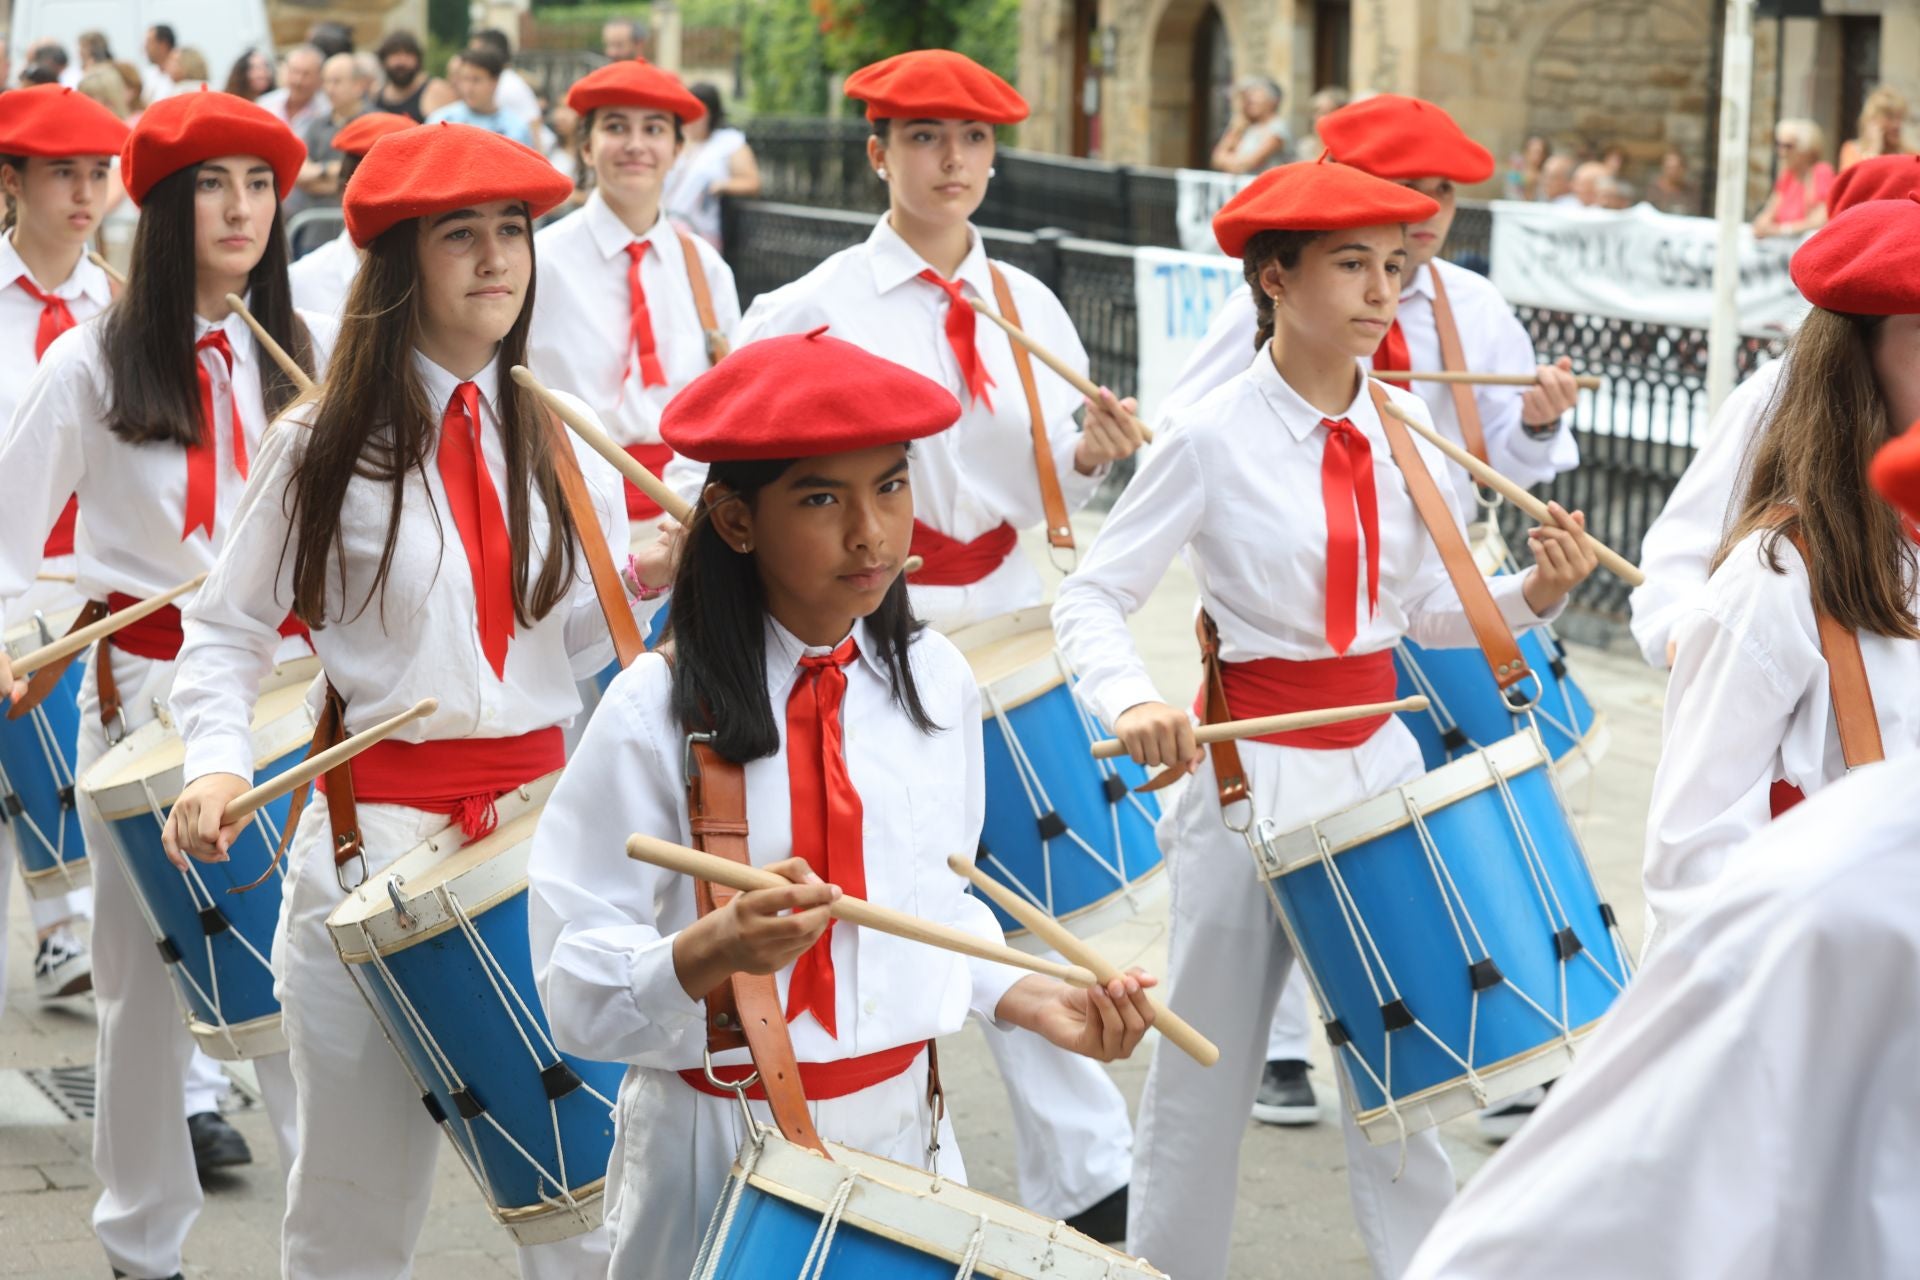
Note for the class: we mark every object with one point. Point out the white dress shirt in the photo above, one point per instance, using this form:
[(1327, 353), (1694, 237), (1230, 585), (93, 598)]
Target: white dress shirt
[(602, 925), (1748, 1111), (322, 279), (582, 313), (1677, 552), (1492, 340), (1235, 486), (86, 291), (1748, 704), (134, 496), (419, 640)]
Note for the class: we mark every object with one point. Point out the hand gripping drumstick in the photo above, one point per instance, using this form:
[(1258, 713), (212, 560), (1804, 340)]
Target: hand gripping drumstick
[(247, 803), (74, 641), (623, 462), (274, 349), (1585, 381), (1622, 568), (1260, 726), (1055, 935), (1078, 381), (113, 272), (705, 866)]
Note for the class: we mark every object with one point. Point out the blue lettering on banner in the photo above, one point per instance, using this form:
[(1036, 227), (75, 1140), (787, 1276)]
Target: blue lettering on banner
[(1192, 295)]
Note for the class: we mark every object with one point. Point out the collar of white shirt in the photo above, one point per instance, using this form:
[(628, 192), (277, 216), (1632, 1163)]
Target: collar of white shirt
[(1421, 286), (85, 280), (239, 337), (440, 384), (612, 236), (1291, 408), (784, 651), (895, 262)]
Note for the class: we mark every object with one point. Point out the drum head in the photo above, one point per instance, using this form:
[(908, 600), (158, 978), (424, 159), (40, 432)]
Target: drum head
[(1013, 655), (27, 636)]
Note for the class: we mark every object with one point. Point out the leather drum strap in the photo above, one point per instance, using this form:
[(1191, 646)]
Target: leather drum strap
[(41, 682), (1052, 501), (343, 817), (745, 1009), (628, 643), (717, 347), (1227, 773), (1847, 684), (1453, 357), (1489, 627), (104, 684)]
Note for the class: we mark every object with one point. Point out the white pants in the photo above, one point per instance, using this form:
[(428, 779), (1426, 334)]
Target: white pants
[(1292, 1030), (141, 1151), (76, 904), (358, 1193), (674, 1145), (1229, 960)]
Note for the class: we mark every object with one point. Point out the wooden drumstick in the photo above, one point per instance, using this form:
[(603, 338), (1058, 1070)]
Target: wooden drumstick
[(113, 273), (705, 866), (274, 349), (623, 462), (1622, 568), (1585, 381), (53, 577), (1075, 379), (912, 565), (75, 641), (247, 803), (1260, 726), (1057, 936)]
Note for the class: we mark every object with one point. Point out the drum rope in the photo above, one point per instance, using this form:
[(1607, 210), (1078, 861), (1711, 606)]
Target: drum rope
[(829, 1227), (1437, 710), (1450, 896), (55, 848), (1091, 729), (720, 1226), (977, 1242), (63, 778)]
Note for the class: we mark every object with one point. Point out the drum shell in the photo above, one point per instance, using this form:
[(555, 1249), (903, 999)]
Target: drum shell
[(39, 803), (1464, 694)]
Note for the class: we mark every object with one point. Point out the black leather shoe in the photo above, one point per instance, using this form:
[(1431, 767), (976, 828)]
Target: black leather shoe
[(216, 1144), (1106, 1221), (121, 1275)]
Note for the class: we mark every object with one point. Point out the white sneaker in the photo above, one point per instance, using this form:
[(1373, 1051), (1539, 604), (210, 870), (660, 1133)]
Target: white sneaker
[(62, 968)]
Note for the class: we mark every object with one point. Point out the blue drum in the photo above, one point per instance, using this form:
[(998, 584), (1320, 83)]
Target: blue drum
[(1062, 829), (789, 1213), (1467, 710), (37, 797), (1454, 935), (217, 943), (438, 944)]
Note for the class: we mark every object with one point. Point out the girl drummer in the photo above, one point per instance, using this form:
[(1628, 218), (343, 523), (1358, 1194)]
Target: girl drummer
[(1270, 485), (1760, 688), (905, 294), (858, 734), (150, 414), (412, 515)]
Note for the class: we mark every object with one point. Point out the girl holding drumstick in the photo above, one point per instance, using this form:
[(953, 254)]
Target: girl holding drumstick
[(412, 514), (1312, 563), (857, 736)]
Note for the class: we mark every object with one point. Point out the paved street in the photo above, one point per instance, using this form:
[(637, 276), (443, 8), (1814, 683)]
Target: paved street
[(1293, 1217)]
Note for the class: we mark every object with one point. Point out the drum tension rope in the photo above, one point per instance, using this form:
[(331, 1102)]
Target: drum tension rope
[(1052, 825), (1485, 973), (1395, 1016), (558, 1080), (1454, 739), (212, 923), (1116, 788), (66, 797), (1568, 942), (434, 1109), (14, 806), (169, 953), (468, 1104)]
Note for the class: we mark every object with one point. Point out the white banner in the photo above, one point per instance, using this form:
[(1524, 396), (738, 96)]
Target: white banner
[(1637, 264), (1199, 193), (1176, 295)]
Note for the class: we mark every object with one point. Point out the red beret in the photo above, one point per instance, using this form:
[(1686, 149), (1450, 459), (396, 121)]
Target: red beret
[(441, 167), (48, 120), (1895, 472), (357, 136), (1866, 262), (1390, 136), (801, 396), (635, 83), (190, 127), (1315, 197), (1878, 178), (935, 84)]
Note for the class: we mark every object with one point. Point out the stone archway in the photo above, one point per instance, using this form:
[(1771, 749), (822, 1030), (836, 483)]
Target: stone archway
[(1176, 102)]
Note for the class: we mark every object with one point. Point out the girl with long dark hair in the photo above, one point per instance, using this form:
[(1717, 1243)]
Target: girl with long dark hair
[(152, 413), (413, 517), (857, 738)]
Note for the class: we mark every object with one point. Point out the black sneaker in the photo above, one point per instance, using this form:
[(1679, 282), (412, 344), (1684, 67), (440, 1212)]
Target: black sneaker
[(216, 1144), (1503, 1119), (1106, 1222), (1286, 1095)]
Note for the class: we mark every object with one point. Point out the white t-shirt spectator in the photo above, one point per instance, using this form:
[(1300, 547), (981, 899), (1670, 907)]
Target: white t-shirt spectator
[(275, 101)]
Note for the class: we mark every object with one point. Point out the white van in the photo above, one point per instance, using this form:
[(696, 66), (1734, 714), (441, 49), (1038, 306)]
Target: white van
[(221, 30)]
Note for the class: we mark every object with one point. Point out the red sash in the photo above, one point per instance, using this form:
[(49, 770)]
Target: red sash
[(158, 635), (459, 777), (820, 1080), (953, 563), (654, 457), (60, 538), (1276, 686)]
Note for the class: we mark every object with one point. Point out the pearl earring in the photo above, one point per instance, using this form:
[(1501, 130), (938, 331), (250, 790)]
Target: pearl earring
[(991, 171), (882, 173)]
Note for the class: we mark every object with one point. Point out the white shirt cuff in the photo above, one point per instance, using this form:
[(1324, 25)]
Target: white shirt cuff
[(657, 994), (1117, 696), (219, 753)]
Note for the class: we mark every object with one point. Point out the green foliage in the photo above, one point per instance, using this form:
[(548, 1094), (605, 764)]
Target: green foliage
[(594, 11), (447, 21), (793, 46)]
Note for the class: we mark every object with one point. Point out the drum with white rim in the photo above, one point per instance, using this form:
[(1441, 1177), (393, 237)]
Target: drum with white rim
[(215, 934), (38, 800), (1065, 831), (438, 945), (789, 1213)]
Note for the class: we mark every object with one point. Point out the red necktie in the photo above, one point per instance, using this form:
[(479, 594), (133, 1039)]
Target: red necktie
[(483, 529), (826, 814), (961, 324), (640, 330), (1346, 484), (203, 459), (55, 319), (1392, 356)]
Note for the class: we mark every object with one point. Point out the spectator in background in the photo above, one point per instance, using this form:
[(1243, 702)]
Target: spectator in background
[(714, 161), (37, 73), (155, 83), (407, 89), (94, 50), (136, 89), (1882, 117), (1523, 180), (621, 39), (186, 70), (104, 85), (52, 55), (513, 93), (297, 101), (477, 79), (1327, 99), (1590, 184), (1618, 193), (1556, 181), (346, 81), (330, 38), (252, 76), (1673, 191), (1615, 158), (1799, 199), (1256, 140)]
